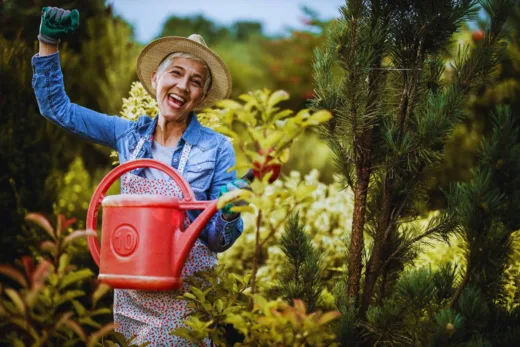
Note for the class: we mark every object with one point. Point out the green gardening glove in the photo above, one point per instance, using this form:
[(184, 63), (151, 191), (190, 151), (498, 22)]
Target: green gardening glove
[(235, 184), (56, 23)]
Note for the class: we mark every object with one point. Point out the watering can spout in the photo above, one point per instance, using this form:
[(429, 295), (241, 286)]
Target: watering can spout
[(184, 240)]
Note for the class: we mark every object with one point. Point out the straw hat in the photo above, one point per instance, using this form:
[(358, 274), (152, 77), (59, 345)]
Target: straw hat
[(155, 52)]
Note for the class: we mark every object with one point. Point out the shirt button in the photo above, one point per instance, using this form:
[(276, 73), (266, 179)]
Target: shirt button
[(175, 160)]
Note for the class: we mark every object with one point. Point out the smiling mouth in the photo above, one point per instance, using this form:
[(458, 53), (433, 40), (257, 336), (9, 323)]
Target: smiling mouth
[(176, 101)]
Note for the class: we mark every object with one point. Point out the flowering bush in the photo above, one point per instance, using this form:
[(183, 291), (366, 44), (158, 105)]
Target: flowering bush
[(325, 214)]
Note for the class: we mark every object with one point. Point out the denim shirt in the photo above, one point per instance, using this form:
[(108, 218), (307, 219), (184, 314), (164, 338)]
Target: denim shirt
[(210, 157)]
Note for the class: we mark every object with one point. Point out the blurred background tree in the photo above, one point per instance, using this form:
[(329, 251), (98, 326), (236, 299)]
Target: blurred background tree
[(38, 153)]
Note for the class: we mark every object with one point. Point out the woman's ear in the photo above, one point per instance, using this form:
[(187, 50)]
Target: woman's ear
[(154, 80)]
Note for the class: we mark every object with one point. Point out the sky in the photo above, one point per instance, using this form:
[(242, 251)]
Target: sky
[(148, 16)]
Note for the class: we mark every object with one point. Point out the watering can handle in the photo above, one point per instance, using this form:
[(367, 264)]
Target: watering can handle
[(189, 201)]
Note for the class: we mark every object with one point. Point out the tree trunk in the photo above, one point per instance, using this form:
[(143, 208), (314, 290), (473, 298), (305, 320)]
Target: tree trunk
[(357, 243), (375, 262), (463, 284), (384, 227), (382, 288)]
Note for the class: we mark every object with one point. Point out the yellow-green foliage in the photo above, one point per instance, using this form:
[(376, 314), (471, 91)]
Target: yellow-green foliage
[(222, 297), (512, 277), (262, 136), (76, 188), (326, 212), (258, 124), (138, 103)]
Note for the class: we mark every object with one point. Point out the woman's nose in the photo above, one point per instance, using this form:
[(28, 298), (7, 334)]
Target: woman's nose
[(182, 84)]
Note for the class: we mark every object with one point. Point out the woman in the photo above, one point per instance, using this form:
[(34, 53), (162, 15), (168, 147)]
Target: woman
[(183, 75)]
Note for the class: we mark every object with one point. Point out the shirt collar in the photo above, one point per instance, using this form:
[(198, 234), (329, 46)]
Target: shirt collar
[(191, 135)]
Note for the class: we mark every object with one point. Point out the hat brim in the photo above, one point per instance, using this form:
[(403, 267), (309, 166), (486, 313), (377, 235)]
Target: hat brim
[(155, 52)]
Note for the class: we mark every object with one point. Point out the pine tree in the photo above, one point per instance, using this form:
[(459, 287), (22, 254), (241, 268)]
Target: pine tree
[(488, 206), (383, 75), (300, 277)]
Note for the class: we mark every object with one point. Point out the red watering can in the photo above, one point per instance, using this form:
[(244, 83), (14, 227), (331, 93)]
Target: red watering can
[(143, 242)]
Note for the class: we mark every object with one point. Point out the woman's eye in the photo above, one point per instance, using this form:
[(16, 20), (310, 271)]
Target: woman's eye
[(197, 83), (176, 73)]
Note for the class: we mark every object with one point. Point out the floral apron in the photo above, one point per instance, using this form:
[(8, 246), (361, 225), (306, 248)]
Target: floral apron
[(151, 315)]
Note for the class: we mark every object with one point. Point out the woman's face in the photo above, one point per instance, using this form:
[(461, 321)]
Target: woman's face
[(180, 88)]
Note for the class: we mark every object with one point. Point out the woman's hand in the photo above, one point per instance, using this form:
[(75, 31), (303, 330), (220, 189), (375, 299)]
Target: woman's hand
[(227, 214), (56, 23)]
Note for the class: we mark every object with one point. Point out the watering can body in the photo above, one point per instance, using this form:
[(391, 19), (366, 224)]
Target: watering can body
[(144, 244)]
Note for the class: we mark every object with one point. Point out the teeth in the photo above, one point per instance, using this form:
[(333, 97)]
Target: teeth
[(176, 97)]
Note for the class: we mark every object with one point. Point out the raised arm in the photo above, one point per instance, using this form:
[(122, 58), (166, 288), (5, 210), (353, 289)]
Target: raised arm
[(50, 93), (47, 49)]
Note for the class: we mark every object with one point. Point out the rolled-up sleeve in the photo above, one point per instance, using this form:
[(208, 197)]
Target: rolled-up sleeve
[(55, 105), (220, 234)]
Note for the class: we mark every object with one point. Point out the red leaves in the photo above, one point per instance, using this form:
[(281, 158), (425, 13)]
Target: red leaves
[(260, 169)]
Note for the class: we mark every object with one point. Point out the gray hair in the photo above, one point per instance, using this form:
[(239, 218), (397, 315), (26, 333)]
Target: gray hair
[(169, 59)]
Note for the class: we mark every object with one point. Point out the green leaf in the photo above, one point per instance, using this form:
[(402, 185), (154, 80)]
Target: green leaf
[(302, 116), (227, 132), (243, 209), (68, 296), (89, 321), (100, 291), (229, 104), (77, 234), (75, 276), (16, 299), (98, 335), (282, 115), (80, 309), (181, 332), (218, 306), (189, 296), (260, 301), (273, 139), (121, 339), (48, 246), (64, 263), (198, 293), (65, 317), (232, 196), (276, 98), (53, 279), (22, 323), (319, 117), (328, 316), (100, 311)]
